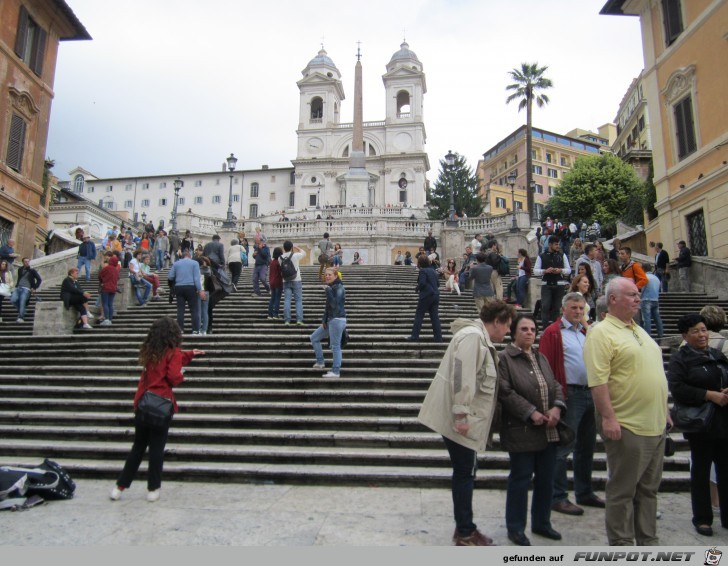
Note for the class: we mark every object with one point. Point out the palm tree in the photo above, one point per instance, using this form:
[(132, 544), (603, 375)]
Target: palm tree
[(529, 80)]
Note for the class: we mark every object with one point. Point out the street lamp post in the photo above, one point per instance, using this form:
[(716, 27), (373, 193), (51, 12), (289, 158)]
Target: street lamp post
[(229, 222), (512, 182), (178, 184), (450, 163), (144, 218)]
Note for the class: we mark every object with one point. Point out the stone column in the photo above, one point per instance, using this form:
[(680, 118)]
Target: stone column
[(452, 243)]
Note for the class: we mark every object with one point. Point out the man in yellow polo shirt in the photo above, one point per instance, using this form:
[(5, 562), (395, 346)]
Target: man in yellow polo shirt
[(629, 388)]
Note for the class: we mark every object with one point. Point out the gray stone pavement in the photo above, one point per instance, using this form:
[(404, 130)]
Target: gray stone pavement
[(205, 514)]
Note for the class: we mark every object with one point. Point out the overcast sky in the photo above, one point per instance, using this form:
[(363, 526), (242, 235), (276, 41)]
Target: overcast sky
[(175, 86)]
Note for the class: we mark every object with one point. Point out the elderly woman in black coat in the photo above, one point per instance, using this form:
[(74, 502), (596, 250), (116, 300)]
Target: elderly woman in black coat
[(698, 374), (531, 403), (428, 288)]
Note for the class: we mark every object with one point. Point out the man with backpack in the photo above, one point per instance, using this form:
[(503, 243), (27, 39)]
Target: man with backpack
[(494, 259), (292, 284), (326, 252)]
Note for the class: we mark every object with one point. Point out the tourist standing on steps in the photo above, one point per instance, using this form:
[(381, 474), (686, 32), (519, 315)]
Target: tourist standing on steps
[(185, 276), (683, 262), (430, 244), (174, 243), (163, 363), (86, 254), (7, 281), (325, 257), (460, 404), (215, 252), (109, 278), (161, 250), (261, 254), (553, 268), (428, 300), (481, 274), (275, 280), (532, 404), (333, 324), (625, 373), (234, 260), (294, 287), (26, 284)]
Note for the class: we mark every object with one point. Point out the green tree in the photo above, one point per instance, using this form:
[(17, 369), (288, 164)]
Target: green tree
[(465, 188), (601, 187), (529, 79)]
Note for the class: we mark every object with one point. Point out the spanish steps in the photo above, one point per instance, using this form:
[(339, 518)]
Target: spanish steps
[(253, 409)]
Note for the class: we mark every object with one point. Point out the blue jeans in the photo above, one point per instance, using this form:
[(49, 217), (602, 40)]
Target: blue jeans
[(431, 306), (521, 289), (651, 309), (19, 299), (84, 262), (107, 301), (159, 257), (524, 466), (334, 330), (260, 275), (464, 467), (580, 417), (137, 286), (294, 288), (202, 307), (274, 305)]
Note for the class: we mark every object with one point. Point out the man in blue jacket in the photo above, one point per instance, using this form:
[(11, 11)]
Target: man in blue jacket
[(185, 274), (428, 302), (86, 254)]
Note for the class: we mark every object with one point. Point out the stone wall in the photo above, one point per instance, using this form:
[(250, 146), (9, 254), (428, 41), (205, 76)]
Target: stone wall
[(53, 269)]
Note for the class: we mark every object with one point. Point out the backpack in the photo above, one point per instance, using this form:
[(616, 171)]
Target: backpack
[(504, 267), (288, 269), (49, 481)]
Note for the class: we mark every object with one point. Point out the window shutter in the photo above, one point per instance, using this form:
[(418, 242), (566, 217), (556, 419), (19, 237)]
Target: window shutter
[(685, 128), (16, 143), (38, 51), (22, 32), (673, 20)]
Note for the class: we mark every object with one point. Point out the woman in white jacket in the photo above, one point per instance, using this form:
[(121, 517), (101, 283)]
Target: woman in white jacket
[(460, 404)]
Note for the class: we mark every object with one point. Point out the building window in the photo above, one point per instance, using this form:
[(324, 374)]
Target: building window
[(145, 185), (317, 111), (684, 127), (110, 189), (30, 42), (145, 203), (78, 182), (236, 198), (552, 190), (641, 123), (292, 199), (236, 180), (162, 202), (181, 201), (564, 161), (109, 204), (217, 181), (198, 200), (518, 204), (272, 178), (292, 179), (312, 199), (16, 143), (536, 170), (697, 240), (549, 158), (128, 204), (127, 187), (272, 196), (500, 202), (216, 199), (538, 188), (198, 183), (162, 185), (91, 189), (254, 192), (403, 196), (672, 19), (253, 211), (553, 173)]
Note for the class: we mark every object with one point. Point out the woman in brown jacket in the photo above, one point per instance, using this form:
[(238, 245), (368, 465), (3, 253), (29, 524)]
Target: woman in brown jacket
[(531, 404)]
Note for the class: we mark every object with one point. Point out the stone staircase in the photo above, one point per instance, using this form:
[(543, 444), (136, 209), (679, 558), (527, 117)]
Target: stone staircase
[(253, 409)]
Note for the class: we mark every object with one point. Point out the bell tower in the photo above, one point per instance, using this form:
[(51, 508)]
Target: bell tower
[(321, 93), (405, 86)]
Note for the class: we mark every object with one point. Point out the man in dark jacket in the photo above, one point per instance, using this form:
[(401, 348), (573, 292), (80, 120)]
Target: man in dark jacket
[(27, 282), (261, 253), (86, 254), (683, 262), (428, 301), (482, 276), (215, 252), (430, 244), (553, 268)]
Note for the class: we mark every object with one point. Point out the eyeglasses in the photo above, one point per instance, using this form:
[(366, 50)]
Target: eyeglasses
[(636, 336)]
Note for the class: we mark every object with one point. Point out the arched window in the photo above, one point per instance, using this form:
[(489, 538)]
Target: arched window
[(403, 104), (254, 190), (317, 109), (345, 153), (78, 181), (253, 211)]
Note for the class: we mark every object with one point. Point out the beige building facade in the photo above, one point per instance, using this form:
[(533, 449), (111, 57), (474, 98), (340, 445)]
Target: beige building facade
[(684, 81), (553, 155), (30, 33)]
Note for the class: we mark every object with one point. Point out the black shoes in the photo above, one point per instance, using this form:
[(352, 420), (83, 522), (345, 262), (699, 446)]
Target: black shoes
[(592, 501), (518, 538), (548, 532), (705, 530)]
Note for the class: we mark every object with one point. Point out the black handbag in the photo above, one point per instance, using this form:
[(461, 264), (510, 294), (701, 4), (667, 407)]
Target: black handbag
[(154, 410), (692, 418), (567, 436)]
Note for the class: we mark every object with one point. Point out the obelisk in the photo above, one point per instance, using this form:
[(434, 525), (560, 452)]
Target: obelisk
[(357, 178)]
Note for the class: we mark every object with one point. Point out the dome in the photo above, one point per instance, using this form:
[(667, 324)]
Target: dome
[(404, 53), (322, 58)]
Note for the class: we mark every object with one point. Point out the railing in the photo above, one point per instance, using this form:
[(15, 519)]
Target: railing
[(350, 125)]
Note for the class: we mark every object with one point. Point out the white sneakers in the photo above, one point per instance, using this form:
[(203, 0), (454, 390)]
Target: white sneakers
[(153, 496), (318, 366), (115, 494), (330, 374), (87, 326), (106, 322)]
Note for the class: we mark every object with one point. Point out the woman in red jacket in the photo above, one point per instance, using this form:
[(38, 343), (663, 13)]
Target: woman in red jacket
[(163, 361), (109, 279)]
